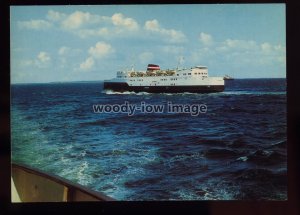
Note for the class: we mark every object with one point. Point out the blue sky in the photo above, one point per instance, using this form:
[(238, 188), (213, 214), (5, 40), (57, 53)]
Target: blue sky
[(89, 43)]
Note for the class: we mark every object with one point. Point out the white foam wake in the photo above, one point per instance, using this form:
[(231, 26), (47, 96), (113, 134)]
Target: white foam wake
[(252, 93)]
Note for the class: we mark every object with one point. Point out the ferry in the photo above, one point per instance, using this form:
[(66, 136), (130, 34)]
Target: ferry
[(155, 80)]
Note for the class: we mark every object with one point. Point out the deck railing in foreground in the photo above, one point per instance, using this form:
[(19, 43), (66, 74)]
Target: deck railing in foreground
[(33, 185)]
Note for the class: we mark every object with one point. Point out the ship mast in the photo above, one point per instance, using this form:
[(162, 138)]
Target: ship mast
[(180, 61)]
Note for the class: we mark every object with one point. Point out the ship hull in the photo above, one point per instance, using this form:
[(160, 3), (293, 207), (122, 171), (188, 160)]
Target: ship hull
[(122, 87)]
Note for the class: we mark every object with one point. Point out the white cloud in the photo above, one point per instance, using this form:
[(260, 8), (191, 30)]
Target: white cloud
[(264, 53), (67, 51), (87, 64), (169, 35), (38, 24), (118, 19), (241, 44), (206, 39), (279, 48), (152, 25), (266, 48), (100, 50), (75, 20), (63, 50), (43, 57), (55, 16), (84, 24), (237, 45), (239, 54), (42, 60), (79, 20)]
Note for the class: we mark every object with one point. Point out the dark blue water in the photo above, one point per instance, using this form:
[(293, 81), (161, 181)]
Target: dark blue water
[(237, 150)]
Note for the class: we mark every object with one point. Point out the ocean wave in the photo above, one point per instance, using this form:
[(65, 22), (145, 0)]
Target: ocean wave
[(280, 144), (261, 184), (110, 92), (218, 153), (264, 157), (142, 182), (237, 143), (225, 93), (252, 93)]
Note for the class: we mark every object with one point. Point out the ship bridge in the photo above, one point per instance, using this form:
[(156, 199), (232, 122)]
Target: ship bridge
[(198, 71)]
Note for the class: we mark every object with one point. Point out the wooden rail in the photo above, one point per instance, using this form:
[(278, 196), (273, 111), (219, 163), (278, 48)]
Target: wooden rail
[(33, 185)]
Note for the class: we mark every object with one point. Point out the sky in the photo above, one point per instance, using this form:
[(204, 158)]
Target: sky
[(91, 43)]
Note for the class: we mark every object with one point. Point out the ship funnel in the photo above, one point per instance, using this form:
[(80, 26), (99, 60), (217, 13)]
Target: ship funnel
[(153, 67)]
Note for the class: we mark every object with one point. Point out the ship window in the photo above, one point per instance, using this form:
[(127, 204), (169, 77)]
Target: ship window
[(177, 74), (184, 73), (189, 73)]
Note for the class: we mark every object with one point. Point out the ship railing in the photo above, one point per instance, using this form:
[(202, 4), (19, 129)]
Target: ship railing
[(32, 185)]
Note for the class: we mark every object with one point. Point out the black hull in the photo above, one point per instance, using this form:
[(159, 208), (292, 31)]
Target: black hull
[(122, 87)]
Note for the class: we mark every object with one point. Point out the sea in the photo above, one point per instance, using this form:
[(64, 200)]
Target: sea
[(236, 150)]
